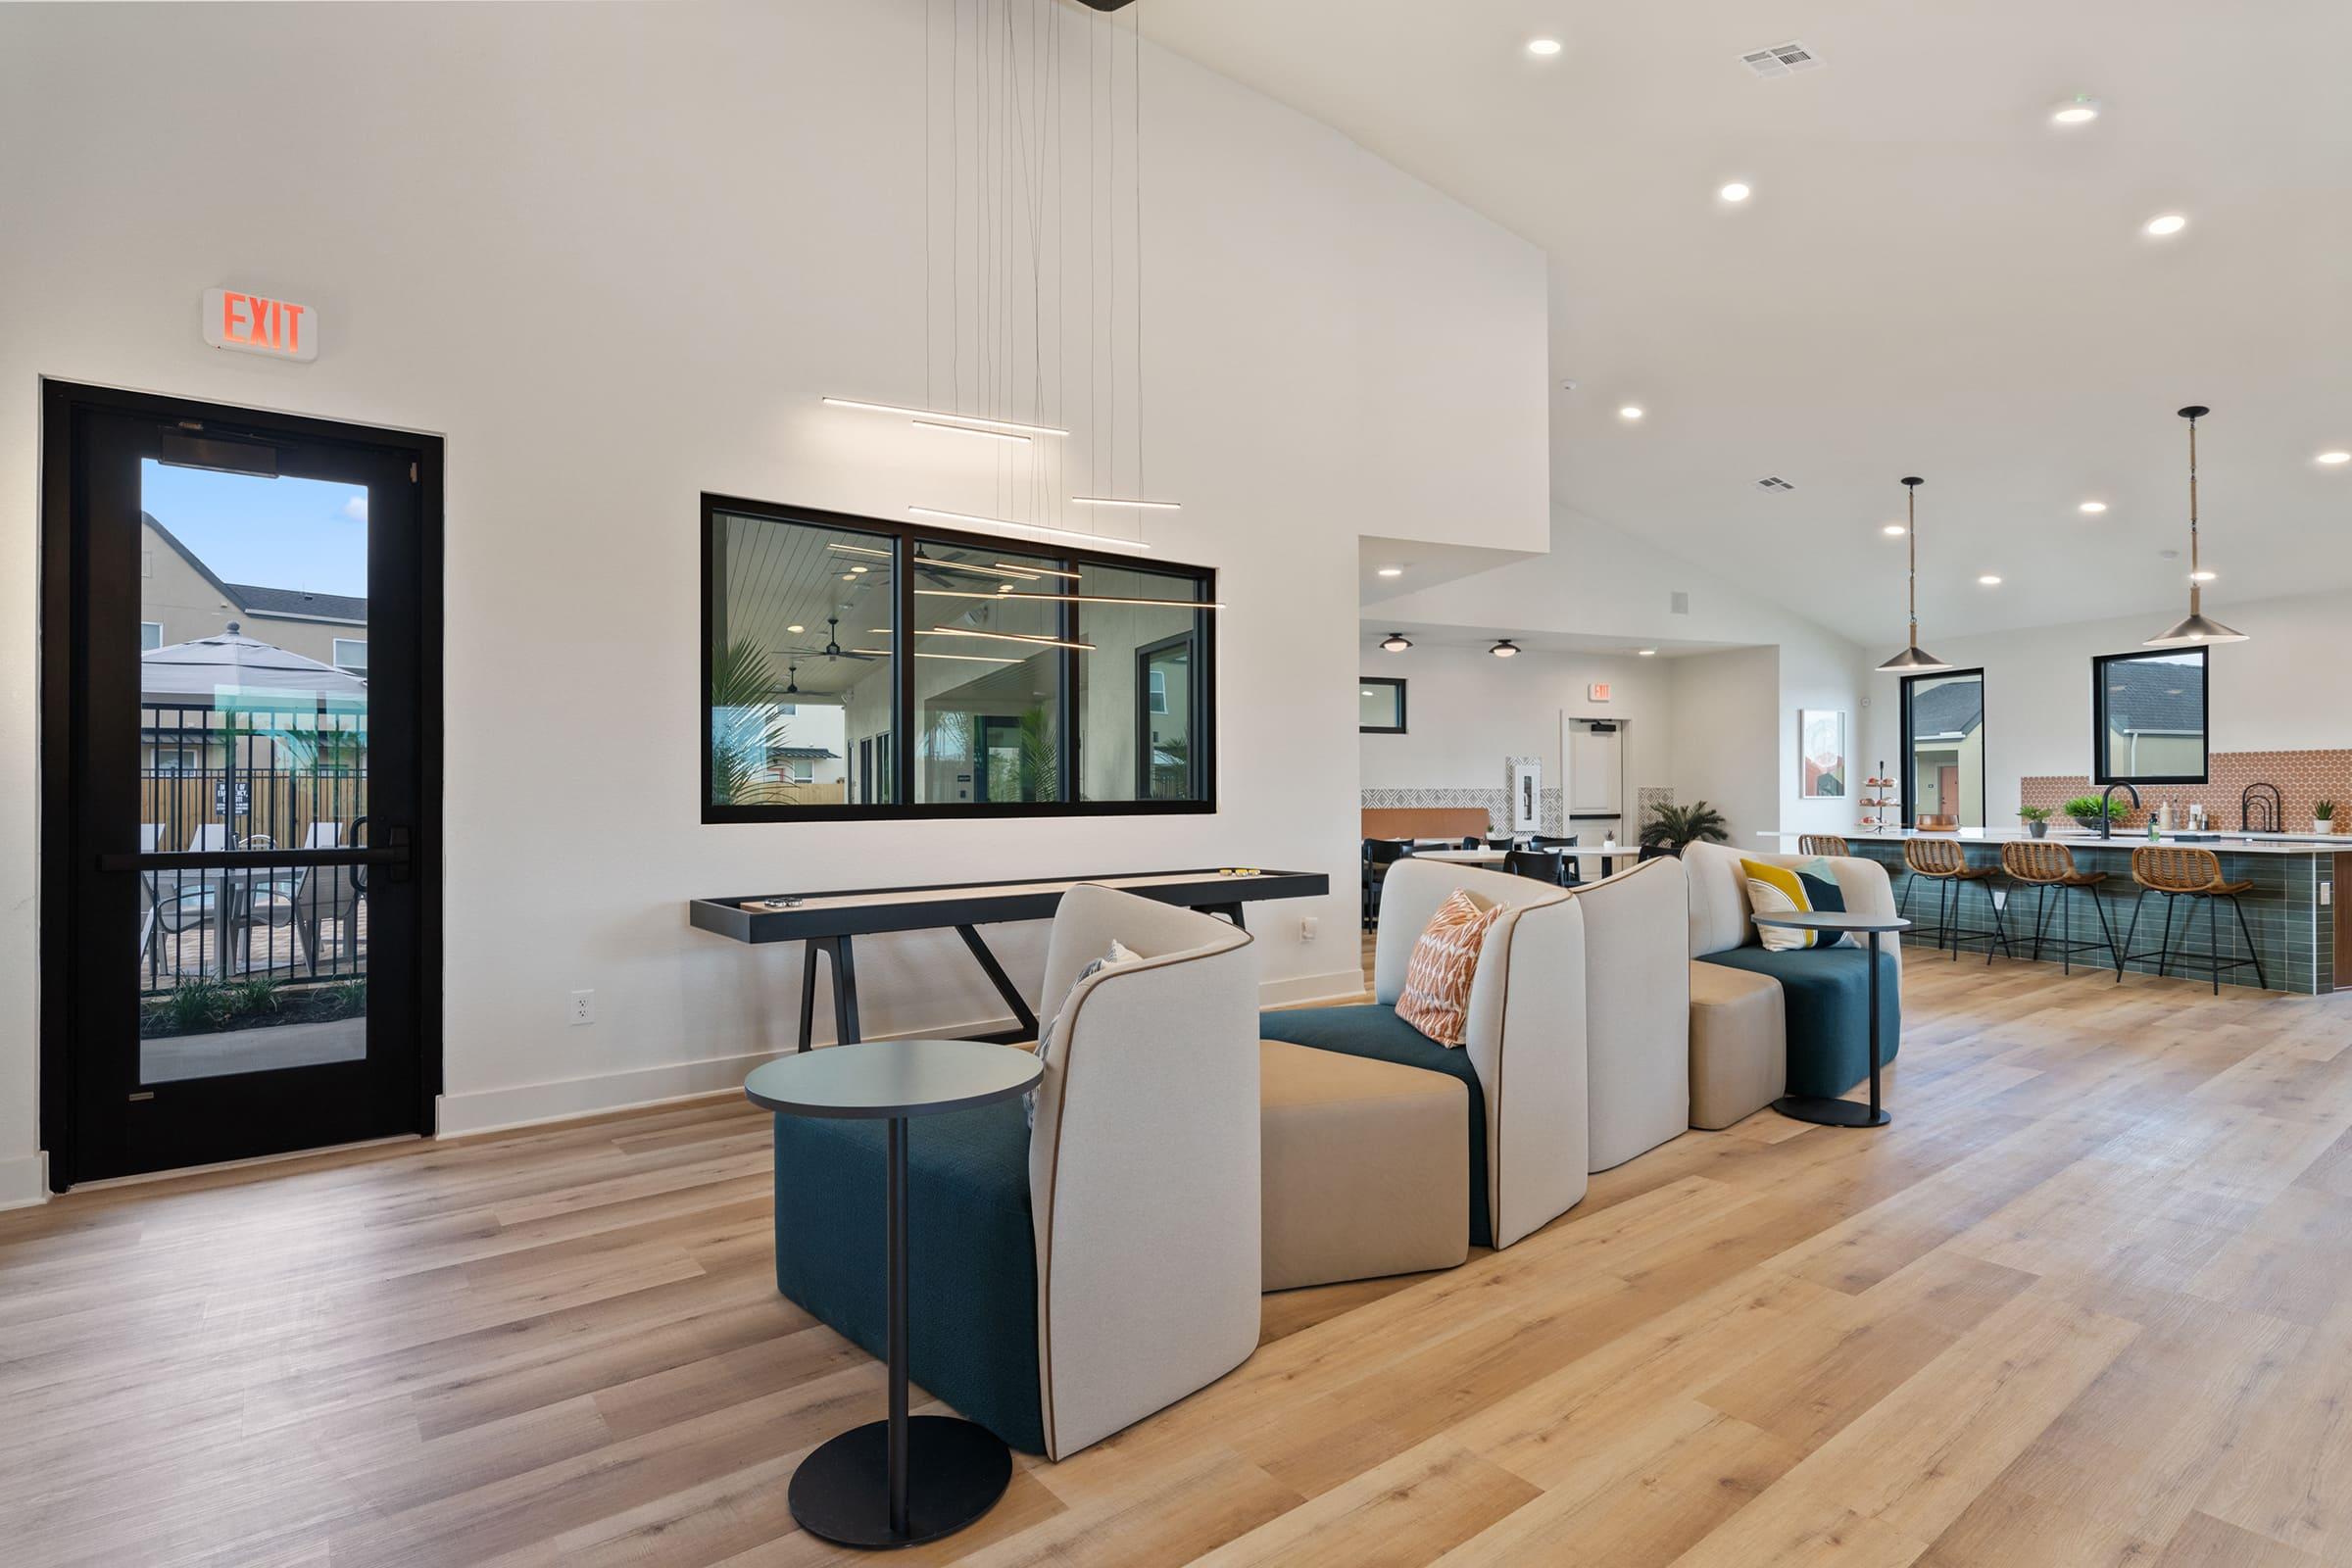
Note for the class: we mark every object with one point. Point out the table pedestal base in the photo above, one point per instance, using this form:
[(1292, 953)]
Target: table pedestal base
[(1830, 1112), (956, 1471)]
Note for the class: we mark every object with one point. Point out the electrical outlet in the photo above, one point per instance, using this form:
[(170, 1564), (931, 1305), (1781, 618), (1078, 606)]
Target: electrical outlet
[(1307, 928), (584, 1007)]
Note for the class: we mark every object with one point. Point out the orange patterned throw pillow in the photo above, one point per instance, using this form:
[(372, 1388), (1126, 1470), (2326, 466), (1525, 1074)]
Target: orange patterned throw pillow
[(1436, 981)]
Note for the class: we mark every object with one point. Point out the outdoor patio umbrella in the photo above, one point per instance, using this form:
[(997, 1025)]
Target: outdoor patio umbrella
[(253, 672)]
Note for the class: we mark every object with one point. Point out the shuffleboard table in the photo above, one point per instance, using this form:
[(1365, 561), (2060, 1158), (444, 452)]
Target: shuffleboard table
[(829, 923)]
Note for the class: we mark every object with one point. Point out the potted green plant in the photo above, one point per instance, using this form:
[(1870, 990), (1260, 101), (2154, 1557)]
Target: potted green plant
[(2092, 814), (1675, 828), (2322, 816), (2036, 819)]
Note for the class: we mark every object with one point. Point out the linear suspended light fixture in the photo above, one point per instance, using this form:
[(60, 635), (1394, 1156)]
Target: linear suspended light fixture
[(1000, 569), (2198, 629), (1115, 501), (1008, 637), (941, 416), (969, 658), (1913, 660), (1042, 571), (973, 429), (856, 550), (1040, 528), (1007, 596)]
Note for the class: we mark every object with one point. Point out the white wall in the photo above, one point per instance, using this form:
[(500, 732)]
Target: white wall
[(615, 254), (1466, 710), (1602, 582), (2289, 688), (1725, 741)]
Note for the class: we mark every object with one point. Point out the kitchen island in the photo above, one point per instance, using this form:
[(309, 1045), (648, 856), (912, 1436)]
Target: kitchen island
[(2290, 909)]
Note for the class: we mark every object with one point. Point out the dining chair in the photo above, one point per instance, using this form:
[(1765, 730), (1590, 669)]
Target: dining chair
[(1379, 856), (1572, 871), (1540, 864)]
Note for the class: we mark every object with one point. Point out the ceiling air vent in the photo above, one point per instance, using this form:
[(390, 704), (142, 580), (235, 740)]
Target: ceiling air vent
[(1773, 481), (1781, 59)]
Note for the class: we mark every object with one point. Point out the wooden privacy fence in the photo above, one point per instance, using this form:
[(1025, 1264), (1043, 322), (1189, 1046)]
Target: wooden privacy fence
[(279, 805)]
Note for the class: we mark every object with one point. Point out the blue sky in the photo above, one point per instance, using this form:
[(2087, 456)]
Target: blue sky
[(276, 533)]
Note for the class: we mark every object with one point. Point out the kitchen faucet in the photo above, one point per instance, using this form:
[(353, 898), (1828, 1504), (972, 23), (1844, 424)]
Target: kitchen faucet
[(2107, 807)]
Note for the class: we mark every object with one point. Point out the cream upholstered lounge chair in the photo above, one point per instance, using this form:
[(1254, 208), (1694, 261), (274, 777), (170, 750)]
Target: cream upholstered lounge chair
[(1070, 1280), (1523, 1059), (1637, 1008), (1820, 1043)]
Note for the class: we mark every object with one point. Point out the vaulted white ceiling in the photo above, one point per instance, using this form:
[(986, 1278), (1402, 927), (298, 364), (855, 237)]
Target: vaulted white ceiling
[(1930, 277)]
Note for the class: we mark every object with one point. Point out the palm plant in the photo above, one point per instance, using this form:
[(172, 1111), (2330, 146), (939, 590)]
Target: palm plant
[(1675, 828), (745, 721)]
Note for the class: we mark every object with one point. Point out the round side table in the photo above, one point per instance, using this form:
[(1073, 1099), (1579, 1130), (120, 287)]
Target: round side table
[(1818, 1109), (899, 1481)]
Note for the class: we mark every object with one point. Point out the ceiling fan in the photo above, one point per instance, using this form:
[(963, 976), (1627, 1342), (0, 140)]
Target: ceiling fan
[(832, 649)]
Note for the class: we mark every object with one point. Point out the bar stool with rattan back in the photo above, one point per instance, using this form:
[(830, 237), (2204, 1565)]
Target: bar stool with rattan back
[(2043, 865), (2181, 873), (1821, 844), (1944, 862)]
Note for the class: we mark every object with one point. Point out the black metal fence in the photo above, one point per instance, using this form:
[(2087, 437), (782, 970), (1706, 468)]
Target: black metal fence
[(251, 778)]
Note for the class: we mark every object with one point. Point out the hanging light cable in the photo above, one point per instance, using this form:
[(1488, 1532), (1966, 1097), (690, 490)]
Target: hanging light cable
[(2198, 629), (1913, 660)]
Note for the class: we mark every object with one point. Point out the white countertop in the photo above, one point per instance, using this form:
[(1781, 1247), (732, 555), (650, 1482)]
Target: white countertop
[(2221, 843)]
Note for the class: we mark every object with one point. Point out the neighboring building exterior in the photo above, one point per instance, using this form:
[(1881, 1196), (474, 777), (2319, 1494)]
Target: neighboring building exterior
[(1947, 733), (180, 600)]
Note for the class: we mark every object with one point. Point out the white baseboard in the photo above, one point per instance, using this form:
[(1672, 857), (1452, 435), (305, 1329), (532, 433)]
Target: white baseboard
[(23, 1181), (494, 1110)]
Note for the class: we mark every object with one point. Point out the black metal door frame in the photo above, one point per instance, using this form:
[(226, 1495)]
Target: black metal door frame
[(97, 1118)]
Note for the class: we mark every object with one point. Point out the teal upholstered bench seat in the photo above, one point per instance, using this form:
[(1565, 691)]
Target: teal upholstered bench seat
[(1824, 997), (1374, 1031), (972, 1252)]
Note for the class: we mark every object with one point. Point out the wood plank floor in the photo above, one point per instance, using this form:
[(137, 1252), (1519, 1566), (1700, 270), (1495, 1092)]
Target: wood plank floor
[(2088, 1301)]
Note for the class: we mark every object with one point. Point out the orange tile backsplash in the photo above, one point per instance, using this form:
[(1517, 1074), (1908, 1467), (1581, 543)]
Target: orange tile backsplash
[(2302, 777)]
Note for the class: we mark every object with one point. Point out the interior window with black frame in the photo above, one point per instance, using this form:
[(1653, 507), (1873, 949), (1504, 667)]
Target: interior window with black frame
[(1141, 684), (2148, 717), (864, 669), (801, 681)]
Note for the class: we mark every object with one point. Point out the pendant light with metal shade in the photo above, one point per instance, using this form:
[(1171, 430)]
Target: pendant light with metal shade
[(1913, 660), (2198, 629)]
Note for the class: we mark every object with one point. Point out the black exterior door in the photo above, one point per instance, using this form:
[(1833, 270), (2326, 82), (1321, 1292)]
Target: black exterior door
[(241, 686)]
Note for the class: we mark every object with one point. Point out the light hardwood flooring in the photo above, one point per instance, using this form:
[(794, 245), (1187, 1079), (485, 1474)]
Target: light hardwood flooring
[(2088, 1302)]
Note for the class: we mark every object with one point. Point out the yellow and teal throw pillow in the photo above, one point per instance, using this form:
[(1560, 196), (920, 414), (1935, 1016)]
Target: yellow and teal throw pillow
[(1808, 889)]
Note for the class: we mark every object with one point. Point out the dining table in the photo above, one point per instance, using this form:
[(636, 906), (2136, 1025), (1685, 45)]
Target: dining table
[(1464, 856)]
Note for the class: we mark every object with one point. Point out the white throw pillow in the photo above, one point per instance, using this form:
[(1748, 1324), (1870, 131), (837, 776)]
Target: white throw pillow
[(1119, 954)]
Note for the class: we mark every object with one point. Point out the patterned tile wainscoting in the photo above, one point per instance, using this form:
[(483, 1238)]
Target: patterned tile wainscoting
[(2302, 777), (2294, 931), (1495, 802)]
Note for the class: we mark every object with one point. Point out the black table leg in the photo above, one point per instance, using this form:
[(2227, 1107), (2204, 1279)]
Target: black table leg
[(808, 952), (1231, 912), (903, 1480), (1824, 1111), (1026, 1021), (845, 993)]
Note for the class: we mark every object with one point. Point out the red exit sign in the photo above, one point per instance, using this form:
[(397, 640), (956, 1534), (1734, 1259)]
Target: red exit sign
[(255, 323)]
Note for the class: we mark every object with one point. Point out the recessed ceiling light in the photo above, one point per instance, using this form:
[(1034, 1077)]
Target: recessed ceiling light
[(1391, 571), (2201, 576), (1989, 581), (1631, 411), (2092, 507), (1505, 648), (796, 628), (860, 571), (2169, 223), (1395, 642), (1894, 530), (2333, 457), (1542, 48), (1736, 191), (1369, 692), (2079, 109), (1646, 653)]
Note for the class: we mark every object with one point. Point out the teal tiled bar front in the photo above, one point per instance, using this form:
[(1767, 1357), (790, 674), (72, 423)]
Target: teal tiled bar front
[(2290, 910)]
